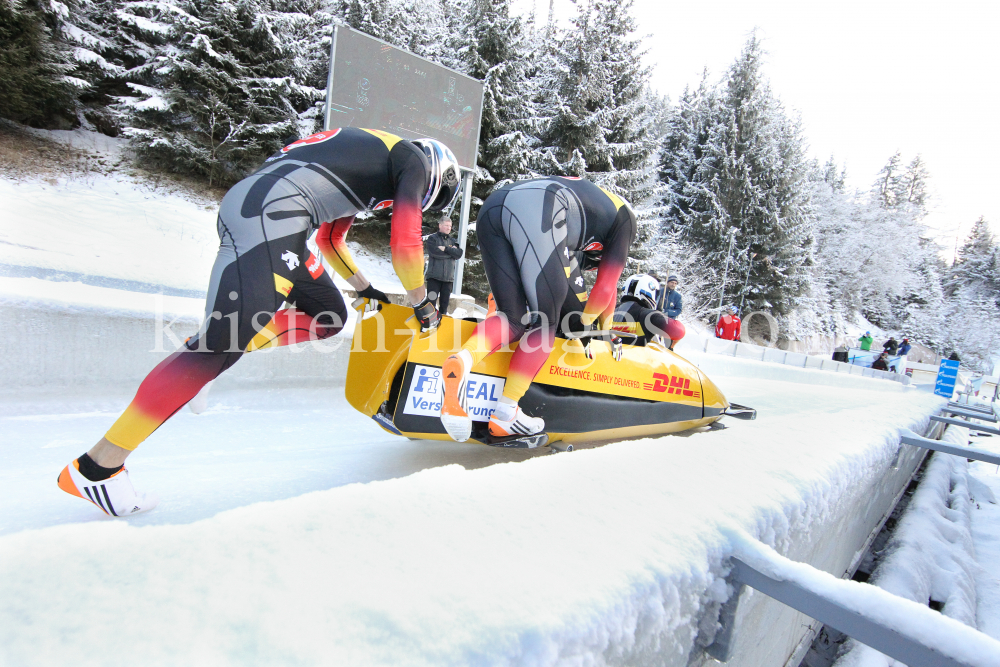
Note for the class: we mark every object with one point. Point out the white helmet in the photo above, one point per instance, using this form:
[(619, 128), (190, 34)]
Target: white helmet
[(641, 288), (445, 175)]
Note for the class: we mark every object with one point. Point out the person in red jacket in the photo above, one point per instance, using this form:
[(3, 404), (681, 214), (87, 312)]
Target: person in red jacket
[(728, 327)]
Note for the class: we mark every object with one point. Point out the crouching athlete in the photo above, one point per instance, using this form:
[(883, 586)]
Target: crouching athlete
[(637, 313), (529, 234), (322, 182)]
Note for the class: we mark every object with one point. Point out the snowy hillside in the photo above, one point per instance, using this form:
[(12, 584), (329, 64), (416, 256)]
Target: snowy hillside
[(118, 230)]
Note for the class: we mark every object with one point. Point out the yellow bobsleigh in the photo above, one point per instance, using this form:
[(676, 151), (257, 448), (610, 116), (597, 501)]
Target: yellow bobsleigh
[(394, 377)]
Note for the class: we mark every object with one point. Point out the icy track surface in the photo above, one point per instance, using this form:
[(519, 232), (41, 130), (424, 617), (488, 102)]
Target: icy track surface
[(603, 555)]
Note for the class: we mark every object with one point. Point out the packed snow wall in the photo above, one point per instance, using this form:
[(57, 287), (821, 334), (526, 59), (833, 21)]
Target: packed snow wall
[(75, 338)]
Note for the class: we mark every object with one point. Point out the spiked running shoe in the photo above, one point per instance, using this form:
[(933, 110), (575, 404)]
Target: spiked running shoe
[(454, 414), (518, 424), (114, 496)]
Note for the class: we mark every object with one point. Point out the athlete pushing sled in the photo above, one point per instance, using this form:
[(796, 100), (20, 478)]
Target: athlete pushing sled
[(530, 233), (321, 182)]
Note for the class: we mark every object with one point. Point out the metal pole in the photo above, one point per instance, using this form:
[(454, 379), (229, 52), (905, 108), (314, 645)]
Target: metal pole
[(725, 273), (328, 110), (463, 229), (743, 293)]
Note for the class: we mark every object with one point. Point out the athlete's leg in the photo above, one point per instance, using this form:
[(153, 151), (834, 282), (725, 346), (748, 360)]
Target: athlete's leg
[(497, 330), (535, 221), (318, 313), (252, 275), (507, 323)]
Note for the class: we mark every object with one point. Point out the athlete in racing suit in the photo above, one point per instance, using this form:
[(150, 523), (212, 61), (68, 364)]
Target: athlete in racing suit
[(529, 233), (637, 313), (264, 221)]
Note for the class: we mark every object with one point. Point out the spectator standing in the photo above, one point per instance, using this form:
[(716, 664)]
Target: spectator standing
[(904, 347), (443, 250), (840, 354), (866, 341), (890, 345), (729, 324), (669, 299)]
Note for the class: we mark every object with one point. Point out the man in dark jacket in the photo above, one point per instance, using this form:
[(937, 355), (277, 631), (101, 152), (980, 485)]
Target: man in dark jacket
[(443, 251), (890, 345), (882, 363), (669, 299)]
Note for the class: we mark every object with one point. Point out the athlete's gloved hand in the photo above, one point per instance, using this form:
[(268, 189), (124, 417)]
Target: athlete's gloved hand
[(426, 314), (573, 323), (374, 294)]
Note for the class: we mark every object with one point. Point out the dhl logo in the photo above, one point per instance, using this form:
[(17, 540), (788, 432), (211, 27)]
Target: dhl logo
[(671, 385)]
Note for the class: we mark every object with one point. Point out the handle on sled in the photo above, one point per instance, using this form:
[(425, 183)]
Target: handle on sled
[(611, 335), (738, 411), (600, 333), (361, 304)]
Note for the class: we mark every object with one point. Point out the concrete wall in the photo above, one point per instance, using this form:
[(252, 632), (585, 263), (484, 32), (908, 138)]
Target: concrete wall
[(81, 349)]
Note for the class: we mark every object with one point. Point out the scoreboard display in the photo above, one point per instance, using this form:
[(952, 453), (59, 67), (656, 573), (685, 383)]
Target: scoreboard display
[(379, 86)]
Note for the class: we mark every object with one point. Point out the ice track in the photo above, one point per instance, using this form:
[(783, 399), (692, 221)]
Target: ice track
[(248, 447)]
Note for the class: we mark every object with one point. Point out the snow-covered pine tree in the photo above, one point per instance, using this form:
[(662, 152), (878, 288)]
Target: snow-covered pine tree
[(977, 266), (742, 166), (602, 119), (498, 56), (381, 19), (100, 44), (913, 188), (35, 83), (888, 183), (222, 95), (924, 304), (687, 173)]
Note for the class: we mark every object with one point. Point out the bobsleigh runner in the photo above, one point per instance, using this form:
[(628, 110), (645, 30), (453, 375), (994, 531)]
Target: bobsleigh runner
[(394, 377)]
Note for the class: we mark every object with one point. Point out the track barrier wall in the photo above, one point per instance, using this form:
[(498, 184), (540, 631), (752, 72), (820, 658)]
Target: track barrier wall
[(836, 546), (773, 355), (80, 349)]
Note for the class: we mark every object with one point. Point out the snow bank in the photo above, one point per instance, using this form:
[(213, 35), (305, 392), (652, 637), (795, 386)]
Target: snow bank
[(894, 611), (984, 485), (112, 226), (121, 228), (931, 557), (602, 556)]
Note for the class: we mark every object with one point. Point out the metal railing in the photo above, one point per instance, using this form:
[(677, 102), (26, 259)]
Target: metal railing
[(861, 613)]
